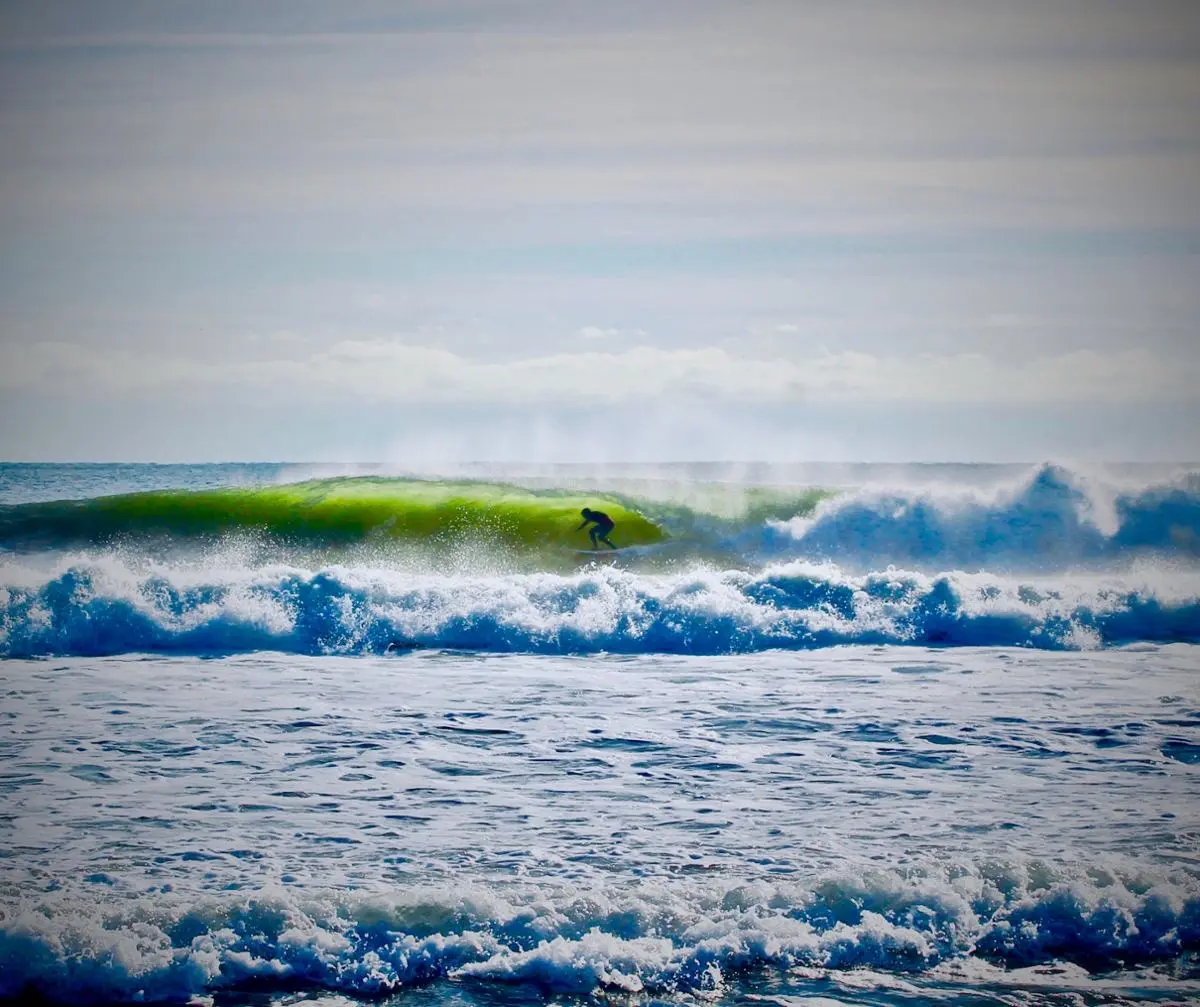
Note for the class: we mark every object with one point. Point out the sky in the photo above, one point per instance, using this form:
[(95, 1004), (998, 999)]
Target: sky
[(424, 232)]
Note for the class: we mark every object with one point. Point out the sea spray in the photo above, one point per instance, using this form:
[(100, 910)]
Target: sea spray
[(95, 607)]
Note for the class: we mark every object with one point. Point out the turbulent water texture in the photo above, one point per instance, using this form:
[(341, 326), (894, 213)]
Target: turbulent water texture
[(869, 826), (98, 606), (1048, 558)]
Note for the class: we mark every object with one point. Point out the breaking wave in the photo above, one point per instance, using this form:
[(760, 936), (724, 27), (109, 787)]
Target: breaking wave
[(661, 938), (1052, 520), (1054, 560), (336, 511), (94, 608)]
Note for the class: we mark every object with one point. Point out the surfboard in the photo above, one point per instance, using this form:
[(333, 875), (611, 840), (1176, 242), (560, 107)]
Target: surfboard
[(627, 550)]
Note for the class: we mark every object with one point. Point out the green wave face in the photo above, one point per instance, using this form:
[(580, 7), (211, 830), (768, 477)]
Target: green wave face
[(336, 511)]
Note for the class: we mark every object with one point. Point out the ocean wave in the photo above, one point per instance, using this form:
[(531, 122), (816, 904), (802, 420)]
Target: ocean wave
[(336, 511), (103, 605), (1051, 520), (660, 938)]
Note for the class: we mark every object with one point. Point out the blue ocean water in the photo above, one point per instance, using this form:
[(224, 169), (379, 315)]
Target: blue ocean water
[(933, 736)]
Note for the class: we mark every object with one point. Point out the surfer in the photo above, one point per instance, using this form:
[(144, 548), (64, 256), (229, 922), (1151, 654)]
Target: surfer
[(604, 524)]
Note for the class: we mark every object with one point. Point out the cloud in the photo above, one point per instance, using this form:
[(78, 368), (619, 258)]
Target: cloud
[(737, 108), (388, 370), (965, 206)]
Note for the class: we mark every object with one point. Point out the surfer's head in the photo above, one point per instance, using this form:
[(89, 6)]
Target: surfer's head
[(586, 512)]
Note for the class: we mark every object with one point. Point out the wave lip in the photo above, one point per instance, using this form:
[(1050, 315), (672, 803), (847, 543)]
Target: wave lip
[(658, 939), (96, 608)]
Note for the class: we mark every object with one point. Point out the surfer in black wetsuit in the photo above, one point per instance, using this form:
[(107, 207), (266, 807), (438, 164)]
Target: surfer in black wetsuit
[(604, 524)]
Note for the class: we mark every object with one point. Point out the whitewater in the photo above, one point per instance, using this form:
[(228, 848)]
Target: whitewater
[(812, 735)]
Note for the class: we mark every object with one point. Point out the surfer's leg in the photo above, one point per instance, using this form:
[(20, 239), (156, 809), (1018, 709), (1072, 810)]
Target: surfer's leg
[(604, 537), (593, 533)]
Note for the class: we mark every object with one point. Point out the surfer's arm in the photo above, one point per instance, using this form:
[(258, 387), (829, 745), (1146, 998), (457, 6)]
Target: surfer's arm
[(584, 525)]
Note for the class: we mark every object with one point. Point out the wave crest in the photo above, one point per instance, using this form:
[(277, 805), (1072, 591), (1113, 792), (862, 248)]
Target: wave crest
[(661, 938), (105, 607), (1053, 520)]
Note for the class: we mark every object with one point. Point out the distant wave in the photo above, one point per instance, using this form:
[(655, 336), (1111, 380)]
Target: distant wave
[(682, 937), (102, 606)]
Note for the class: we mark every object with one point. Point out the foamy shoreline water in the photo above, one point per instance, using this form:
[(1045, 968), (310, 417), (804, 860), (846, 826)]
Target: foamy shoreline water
[(654, 826)]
